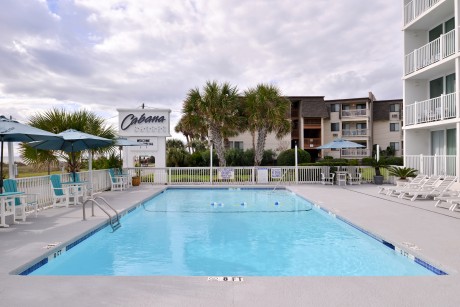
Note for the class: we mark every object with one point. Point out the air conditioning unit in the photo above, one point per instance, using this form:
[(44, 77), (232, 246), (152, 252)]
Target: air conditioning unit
[(335, 135), (394, 116)]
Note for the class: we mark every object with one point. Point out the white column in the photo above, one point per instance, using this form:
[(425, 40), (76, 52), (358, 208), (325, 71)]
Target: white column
[(301, 136), (11, 172)]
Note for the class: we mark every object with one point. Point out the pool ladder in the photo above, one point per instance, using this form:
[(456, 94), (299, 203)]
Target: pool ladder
[(114, 220)]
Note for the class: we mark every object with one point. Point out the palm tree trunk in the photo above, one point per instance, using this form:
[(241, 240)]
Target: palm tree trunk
[(259, 153), (218, 143)]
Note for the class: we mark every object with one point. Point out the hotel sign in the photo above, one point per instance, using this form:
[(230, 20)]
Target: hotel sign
[(144, 122)]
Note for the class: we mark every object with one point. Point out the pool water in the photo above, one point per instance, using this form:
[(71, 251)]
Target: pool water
[(231, 232)]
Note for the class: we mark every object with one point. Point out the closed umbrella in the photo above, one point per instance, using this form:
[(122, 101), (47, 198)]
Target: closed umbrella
[(13, 131), (74, 141)]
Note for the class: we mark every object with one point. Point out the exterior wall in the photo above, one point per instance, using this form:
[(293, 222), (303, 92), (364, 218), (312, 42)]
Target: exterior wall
[(328, 135), (383, 136), (416, 81), (277, 145)]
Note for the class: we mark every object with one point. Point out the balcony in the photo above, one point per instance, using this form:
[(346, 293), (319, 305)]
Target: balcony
[(354, 113), (431, 110), (434, 51), (415, 8), (355, 132), (355, 153)]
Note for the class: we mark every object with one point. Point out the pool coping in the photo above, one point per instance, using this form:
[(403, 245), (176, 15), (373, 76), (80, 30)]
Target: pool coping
[(61, 248)]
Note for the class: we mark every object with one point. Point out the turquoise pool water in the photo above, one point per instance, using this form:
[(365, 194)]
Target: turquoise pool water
[(230, 232)]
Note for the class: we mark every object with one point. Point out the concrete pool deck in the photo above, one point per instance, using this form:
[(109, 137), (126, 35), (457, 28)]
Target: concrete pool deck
[(418, 227)]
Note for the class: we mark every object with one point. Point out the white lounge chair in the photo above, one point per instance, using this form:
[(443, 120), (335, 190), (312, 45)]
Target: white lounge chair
[(454, 197), (417, 181), (327, 179), (428, 184), (439, 190)]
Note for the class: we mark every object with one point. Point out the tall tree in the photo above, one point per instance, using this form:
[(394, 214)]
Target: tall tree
[(266, 111), (59, 120), (218, 107), (193, 128)]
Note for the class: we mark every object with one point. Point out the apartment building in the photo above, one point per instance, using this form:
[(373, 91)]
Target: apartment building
[(316, 121), (431, 103)]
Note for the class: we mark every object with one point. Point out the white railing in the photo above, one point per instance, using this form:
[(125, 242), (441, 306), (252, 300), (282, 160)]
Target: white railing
[(430, 53), (41, 186), (432, 165), (355, 152), (416, 8), (241, 175), (435, 109), (355, 132), (354, 113), (199, 176)]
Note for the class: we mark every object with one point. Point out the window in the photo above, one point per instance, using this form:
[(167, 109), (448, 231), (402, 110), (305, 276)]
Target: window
[(394, 126), (236, 144), (394, 146), (335, 127), (335, 107), (394, 107), (361, 106)]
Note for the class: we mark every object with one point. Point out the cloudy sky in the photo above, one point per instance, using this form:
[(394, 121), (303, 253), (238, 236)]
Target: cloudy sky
[(104, 55)]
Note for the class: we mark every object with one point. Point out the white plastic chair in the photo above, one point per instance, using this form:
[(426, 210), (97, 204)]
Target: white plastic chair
[(327, 180)]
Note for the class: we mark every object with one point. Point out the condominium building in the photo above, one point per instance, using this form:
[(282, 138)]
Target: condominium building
[(316, 121), (431, 103)]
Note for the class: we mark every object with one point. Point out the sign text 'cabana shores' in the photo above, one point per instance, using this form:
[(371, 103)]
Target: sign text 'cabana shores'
[(132, 120), (144, 122)]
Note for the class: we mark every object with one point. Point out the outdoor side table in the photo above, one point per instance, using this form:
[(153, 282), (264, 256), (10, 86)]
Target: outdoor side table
[(341, 178)]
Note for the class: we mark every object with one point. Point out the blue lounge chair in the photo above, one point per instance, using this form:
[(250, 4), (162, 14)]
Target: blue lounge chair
[(22, 201)]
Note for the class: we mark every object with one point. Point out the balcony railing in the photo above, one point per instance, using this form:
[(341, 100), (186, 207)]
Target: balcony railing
[(354, 113), (432, 165), (435, 109), (355, 152), (434, 51), (416, 8), (355, 132)]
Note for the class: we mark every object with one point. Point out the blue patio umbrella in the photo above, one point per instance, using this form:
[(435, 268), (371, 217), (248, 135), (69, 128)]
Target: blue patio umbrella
[(13, 131), (340, 144), (73, 141)]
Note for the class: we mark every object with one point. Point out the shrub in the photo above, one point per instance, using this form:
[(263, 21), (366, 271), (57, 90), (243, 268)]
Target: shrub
[(287, 157), (402, 172)]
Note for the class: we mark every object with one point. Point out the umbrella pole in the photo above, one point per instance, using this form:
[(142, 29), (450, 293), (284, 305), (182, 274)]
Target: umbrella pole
[(1, 169)]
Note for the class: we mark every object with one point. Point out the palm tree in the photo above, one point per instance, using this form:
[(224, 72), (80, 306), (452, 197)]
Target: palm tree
[(58, 121), (217, 106), (193, 128), (266, 111)]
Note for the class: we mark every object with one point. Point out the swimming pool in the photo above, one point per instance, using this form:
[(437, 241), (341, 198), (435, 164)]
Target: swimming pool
[(231, 232)]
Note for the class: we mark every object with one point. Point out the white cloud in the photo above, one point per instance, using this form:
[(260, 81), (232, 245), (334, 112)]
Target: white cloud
[(104, 55)]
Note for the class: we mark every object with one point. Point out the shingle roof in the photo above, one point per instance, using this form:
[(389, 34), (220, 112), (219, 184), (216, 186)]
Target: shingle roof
[(311, 106), (381, 108)]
